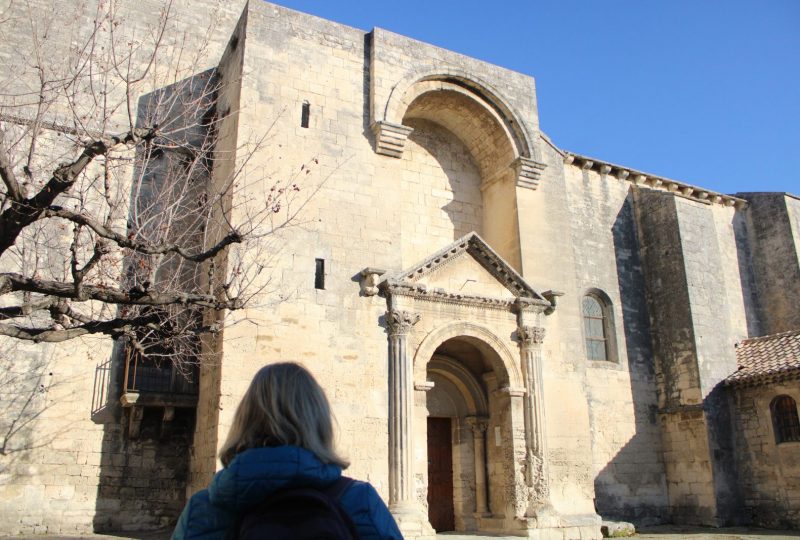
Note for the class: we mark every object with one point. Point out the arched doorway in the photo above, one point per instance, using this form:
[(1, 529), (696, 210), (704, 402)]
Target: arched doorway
[(458, 415)]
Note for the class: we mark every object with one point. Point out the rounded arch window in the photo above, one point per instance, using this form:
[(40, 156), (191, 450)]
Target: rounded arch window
[(784, 419), (598, 327)]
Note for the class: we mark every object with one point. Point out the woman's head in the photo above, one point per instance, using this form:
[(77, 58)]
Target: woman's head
[(283, 405)]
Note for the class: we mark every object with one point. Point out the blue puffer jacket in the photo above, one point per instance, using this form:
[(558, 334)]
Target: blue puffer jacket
[(257, 473)]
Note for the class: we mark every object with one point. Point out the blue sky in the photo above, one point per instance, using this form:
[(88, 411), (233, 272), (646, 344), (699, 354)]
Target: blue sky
[(702, 91)]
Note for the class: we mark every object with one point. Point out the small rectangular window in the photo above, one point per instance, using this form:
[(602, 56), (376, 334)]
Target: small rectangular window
[(319, 274), (305, 114)]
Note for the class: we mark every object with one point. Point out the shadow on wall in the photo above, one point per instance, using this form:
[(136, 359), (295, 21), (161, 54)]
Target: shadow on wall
[(744, 253), (145, 451), (26, 380), (142, 481), (464, 210), (142, 477), (632, 485)]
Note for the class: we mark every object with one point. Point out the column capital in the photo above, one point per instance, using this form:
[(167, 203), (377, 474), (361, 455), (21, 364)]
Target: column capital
[(530, 335), (478, 424), (400, 321)]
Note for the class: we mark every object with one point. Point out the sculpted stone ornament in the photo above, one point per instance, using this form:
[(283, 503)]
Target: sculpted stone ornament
[(530, 335), (400, 321), (539, 488), (370, 278)]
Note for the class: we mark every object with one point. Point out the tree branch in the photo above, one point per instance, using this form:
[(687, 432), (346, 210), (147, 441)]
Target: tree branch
[(233, 237), (24, 212), (12, 312), (7, 172), (114, 328), (10, 282)]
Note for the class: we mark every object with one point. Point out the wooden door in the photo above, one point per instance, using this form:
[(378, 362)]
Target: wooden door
[(440, 475)]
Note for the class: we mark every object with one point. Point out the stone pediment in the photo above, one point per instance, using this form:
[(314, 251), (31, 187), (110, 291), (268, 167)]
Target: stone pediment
[(466, 271)]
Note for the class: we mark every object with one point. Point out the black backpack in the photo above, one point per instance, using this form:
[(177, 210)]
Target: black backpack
[(298, 514)]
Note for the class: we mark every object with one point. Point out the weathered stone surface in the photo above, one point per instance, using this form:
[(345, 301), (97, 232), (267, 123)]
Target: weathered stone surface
[(418, 147)]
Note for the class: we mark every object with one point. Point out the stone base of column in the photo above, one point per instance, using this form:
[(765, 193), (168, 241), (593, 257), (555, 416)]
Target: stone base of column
[(412, 521), (547, 525)]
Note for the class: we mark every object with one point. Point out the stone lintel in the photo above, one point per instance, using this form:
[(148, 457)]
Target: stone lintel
[(527, 172), (531, 305), (390, 138)]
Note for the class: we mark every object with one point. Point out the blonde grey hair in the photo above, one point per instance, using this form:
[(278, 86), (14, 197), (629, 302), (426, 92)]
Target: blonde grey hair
[(284, 405)]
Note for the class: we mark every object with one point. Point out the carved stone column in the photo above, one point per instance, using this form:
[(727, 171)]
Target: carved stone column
[(401, 411), (530, 343), (479, 426)]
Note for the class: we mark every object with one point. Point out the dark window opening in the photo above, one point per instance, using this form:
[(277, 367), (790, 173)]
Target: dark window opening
[(785, 419), (305, 115), (319, 274)]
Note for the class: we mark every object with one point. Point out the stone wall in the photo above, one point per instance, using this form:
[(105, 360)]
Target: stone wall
[(621, 393), (773, 232), (769, 473), (697, 315), (67, 466)]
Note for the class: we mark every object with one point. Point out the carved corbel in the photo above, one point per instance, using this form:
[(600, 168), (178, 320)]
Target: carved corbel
[(551, 296), (654, 182), (527, 172), (370, 278), (390, 138), (622, 174)]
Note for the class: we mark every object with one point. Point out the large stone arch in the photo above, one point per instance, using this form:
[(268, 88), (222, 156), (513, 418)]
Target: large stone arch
[(496, 351), (418, 82)]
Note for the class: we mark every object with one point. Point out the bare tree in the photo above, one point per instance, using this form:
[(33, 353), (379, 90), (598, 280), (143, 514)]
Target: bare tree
[(117, 199)]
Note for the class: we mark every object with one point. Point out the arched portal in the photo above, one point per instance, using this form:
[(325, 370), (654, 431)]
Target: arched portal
[(433, 117), (462, 406)]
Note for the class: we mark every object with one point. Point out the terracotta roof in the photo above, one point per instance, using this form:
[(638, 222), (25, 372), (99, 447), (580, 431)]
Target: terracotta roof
[(767, 359)]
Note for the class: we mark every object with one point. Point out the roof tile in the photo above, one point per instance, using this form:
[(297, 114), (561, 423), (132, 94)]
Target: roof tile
[(767, 359)]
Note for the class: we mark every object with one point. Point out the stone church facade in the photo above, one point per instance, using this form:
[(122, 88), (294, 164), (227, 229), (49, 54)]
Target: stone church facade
[(515, 338)]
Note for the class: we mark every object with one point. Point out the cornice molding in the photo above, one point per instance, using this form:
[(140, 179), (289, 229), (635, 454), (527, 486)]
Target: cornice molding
[(641, 179)]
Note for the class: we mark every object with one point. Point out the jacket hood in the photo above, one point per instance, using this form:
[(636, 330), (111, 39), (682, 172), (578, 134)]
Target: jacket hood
[(257, 473)]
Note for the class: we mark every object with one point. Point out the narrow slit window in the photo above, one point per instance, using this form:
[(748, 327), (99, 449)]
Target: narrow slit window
[(319, 274), (305, 114)]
